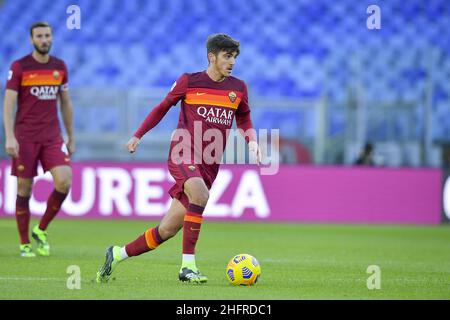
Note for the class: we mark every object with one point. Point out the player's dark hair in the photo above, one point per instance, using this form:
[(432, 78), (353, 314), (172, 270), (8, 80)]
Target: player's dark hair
[(39, 24), (220, 41)]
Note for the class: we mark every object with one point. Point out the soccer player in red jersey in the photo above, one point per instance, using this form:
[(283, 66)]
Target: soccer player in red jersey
[(35, 83), (210, 99)]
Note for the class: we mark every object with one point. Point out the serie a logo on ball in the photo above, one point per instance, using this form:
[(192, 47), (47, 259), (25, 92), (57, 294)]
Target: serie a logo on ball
[(243, 270)]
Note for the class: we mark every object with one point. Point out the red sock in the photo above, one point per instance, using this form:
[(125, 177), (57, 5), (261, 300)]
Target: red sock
[(191, 227), (54, 203), (150, 240), (23, 218)]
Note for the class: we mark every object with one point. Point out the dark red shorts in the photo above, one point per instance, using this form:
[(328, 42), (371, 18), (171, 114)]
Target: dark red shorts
[(51, 154), (181, 173)]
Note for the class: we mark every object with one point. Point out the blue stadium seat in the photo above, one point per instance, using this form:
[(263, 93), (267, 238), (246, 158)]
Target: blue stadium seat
[(289, 48)]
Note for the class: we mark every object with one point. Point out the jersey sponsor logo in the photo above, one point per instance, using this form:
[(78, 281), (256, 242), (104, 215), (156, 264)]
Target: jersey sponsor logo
[(45, 92), (10, 74), (232, 95), (216, 115)]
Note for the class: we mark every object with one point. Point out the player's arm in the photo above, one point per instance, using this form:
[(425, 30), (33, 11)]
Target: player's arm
[(67, 116), (12, 88), (67, 110), (152, 119), (245, 126), (177, 91), (11, 144)]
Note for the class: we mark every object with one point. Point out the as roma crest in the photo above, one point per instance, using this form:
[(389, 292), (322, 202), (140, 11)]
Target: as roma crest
[(232, 95)]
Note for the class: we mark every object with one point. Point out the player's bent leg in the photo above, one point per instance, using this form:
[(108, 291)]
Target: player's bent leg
[(62, 178), (198, 194), (172, 222), (150, 240), (24, 189)]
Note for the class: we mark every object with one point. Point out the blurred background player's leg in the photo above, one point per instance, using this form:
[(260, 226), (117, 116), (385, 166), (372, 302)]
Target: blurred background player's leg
[(62, 179), (171, 223), (24, 188), (198, 194)]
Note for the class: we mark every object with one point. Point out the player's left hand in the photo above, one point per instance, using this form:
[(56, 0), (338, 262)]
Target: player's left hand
[(132, 144), (70, 146), (254, 148)]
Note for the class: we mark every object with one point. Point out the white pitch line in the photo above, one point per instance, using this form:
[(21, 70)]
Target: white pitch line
[(30, 279)]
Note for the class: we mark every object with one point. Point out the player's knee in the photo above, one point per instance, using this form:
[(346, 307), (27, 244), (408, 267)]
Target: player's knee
[(24, 188), (63, 185), (199, 198)]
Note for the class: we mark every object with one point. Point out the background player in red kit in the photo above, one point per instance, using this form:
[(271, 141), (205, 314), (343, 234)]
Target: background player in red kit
[(210, 100), (35, 82)]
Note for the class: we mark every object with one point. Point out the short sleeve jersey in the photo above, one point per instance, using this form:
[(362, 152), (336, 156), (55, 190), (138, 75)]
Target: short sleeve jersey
[(38, 86), (208, 104)]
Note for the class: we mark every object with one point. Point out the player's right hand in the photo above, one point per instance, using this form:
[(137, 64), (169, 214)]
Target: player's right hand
[(256, 150), (132, 144), (12, 147)]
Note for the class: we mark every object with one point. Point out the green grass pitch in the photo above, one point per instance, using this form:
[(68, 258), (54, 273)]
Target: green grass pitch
[(298, 261)]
